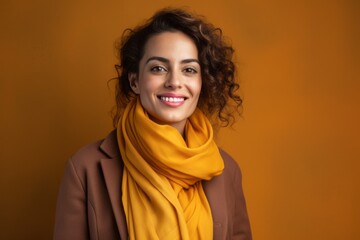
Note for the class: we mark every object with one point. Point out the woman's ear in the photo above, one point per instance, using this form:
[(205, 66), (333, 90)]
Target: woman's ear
[(134, 83)]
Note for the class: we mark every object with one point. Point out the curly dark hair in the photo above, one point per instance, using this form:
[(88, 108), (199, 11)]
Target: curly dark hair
[(218, 98)]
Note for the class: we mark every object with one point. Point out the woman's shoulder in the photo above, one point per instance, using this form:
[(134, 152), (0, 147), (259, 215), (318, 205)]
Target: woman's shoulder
[(231, 167), (228, 159), (91, 154)]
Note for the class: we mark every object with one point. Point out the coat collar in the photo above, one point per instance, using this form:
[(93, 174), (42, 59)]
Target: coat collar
[(110, 145), (113, 171)]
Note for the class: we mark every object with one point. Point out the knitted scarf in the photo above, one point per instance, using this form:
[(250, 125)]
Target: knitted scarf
[(162, 194)]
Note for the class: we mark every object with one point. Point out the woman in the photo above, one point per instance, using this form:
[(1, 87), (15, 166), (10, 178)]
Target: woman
[(160, 175)]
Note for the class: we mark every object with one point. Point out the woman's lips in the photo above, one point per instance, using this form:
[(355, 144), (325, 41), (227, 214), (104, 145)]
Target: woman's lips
[(171, 100)]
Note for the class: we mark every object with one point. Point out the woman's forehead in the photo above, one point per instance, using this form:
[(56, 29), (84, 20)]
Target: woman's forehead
[(170, 45)]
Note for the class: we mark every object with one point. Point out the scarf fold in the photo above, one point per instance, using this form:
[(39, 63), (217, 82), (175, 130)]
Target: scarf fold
[(162, 192)]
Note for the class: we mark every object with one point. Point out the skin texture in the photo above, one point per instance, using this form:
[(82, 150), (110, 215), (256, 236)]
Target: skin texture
[(169, 79)]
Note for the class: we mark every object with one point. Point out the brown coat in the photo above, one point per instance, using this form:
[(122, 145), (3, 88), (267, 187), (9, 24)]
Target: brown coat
[(89, 203)]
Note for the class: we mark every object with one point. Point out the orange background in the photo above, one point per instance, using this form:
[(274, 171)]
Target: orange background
[(298, 142)]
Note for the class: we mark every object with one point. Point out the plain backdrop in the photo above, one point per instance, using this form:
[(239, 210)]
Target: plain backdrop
[(298, 141)]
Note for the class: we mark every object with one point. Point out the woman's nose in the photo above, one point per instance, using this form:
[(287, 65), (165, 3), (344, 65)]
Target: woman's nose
[(173, 80)]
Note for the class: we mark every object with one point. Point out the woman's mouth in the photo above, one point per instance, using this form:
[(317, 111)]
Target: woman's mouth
[(172, 99)]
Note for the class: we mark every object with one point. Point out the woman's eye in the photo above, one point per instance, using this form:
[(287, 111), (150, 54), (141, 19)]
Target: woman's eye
[(190, 70), (158, 69)]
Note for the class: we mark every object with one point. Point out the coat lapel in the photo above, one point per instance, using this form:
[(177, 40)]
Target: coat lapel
[(216, 196), (113, 169)]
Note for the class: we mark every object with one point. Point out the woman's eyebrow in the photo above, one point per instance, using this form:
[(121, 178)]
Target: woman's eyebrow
[(190, 60), (161, 59), (165, 60)]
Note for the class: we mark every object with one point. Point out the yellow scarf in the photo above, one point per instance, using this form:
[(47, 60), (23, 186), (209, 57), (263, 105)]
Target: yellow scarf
[(162, 192)]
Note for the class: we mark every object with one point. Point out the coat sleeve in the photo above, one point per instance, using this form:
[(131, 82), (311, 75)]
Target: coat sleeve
[(241, 228), (71, 210)]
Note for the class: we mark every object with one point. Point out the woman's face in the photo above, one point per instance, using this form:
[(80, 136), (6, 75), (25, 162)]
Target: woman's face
[(169, 78)]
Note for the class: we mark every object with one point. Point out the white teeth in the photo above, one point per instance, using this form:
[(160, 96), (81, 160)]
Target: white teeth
[(172, 99)]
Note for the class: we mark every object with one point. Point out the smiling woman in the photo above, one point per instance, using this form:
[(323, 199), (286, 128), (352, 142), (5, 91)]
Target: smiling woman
[(159, 174), (169, 79)]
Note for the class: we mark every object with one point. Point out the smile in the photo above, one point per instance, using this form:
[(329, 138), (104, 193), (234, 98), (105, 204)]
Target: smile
[(172, 99)]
